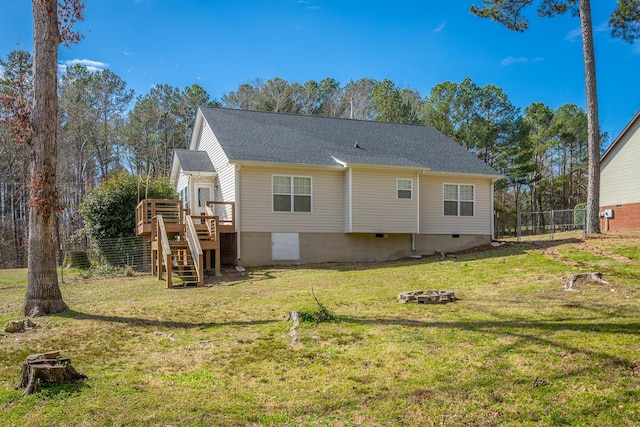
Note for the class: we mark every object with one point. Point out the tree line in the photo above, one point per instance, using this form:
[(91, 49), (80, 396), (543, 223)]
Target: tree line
[(104, 129)]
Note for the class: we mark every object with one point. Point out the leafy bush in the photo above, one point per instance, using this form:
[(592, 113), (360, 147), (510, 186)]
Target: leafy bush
[(109, 209)]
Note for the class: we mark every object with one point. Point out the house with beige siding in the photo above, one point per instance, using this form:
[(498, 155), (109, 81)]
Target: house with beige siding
[(620, 180), (311, 189)]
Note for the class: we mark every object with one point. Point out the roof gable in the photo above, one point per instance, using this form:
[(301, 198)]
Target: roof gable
[(620, 137), (194, 162), (256, 136)]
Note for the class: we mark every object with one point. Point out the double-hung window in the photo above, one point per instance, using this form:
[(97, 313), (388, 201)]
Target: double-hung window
[(291, 193), (404, 188), (458, 200)]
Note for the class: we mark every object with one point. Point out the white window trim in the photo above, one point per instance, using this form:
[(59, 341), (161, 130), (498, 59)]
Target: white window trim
[(459, 200), (292, 194), (398, 188)]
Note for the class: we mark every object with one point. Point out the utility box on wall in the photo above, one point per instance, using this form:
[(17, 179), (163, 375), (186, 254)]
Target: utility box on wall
[(607, 213)]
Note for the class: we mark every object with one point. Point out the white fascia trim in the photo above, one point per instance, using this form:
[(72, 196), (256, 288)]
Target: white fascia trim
[(469, 175)]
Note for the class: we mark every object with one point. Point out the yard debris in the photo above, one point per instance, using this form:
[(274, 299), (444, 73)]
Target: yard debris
[(294, 316), (539, 382), (49, 368), (166, 335), (15, 326), (596, 277), (430, 296)]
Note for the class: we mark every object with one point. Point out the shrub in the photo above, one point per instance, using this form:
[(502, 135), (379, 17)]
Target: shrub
[(579, 215), (109, 209)]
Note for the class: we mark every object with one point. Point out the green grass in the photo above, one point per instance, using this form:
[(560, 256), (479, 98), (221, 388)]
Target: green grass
[(515, 350)]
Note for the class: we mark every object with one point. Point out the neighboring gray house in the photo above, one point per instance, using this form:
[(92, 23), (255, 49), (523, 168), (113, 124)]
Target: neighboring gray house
[(316, 189), (620, 180)]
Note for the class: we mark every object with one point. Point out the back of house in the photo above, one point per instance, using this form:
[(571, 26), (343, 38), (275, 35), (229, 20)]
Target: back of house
[(312, 189)]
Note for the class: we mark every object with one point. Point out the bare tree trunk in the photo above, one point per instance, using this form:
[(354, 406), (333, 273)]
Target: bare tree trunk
[(43, 292), (593, 186)]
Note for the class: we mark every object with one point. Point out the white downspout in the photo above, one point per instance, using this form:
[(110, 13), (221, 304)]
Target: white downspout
[(493, 234), (237, 218), (417, 191)]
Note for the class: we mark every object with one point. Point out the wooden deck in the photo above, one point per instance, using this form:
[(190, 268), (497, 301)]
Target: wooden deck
[(184, 245)]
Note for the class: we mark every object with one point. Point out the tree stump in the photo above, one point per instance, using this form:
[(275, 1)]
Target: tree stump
[(49, 368)]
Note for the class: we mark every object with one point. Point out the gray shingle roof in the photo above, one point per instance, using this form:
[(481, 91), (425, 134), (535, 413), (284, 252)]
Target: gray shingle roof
[(194, 161), (312, 140)]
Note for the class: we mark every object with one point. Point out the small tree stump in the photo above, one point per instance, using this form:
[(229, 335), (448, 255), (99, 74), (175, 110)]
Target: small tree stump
[(49, 368), (596, 277)]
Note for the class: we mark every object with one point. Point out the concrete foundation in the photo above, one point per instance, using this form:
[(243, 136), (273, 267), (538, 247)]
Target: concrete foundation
[(256, 248)]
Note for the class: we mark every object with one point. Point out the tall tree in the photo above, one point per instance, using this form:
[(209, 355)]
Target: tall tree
[(624, 22), (43, 291), (392, 104), (16, 85), (481, 119), (357, 99)]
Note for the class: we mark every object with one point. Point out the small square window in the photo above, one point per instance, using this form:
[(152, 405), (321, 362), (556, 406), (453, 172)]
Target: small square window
[(404, 188)]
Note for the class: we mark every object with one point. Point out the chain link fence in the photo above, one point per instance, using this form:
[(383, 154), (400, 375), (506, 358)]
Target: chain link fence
[(133, 252), (551, 225)]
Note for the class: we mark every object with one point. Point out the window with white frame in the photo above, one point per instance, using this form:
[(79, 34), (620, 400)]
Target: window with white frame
[(291, 193), (404, 188), (458, 199)]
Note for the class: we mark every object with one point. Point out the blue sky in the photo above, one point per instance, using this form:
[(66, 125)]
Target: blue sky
[(418, 44)]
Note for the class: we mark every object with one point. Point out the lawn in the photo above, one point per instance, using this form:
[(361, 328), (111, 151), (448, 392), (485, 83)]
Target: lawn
[(515, 350)]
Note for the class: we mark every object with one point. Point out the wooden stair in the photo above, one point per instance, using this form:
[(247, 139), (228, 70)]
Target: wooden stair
[(182, 265), (169, 225)]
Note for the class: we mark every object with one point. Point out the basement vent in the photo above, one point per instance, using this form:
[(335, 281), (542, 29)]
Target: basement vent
[(455, 236)]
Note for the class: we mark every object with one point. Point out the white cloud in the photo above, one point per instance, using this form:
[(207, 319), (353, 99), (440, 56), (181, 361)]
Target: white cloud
[(576, 34), (573, 35), (90, 64), (510, 60), (308, 3), (127, 53), (440, 27)]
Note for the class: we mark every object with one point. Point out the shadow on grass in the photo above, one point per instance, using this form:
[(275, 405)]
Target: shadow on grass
[(71, 314), (233, 278), (521, 329)]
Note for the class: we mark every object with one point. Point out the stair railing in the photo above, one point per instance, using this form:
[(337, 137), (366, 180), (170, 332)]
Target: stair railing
[(164, 251), (196, 249)]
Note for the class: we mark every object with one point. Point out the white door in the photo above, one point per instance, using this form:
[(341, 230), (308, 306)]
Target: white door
[(204, 193)]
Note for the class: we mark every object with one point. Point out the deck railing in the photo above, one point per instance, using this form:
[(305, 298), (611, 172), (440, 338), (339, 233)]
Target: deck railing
[(171, 210), (226, 213)]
